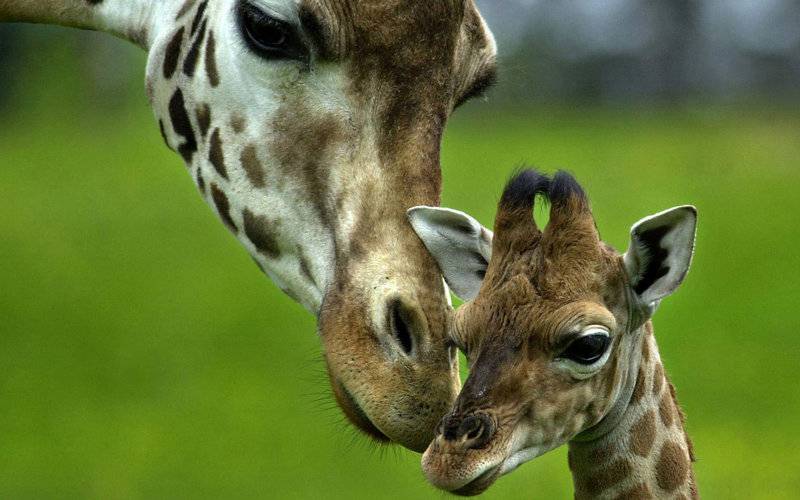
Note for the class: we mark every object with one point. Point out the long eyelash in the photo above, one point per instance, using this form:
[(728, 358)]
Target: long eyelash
[(479, 88), (253, 21), (260, 17)]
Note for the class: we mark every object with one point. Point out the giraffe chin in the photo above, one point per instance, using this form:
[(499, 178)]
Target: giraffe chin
[(464, 472), (356, 415), (458, 479), (480, 483), (472, 471)]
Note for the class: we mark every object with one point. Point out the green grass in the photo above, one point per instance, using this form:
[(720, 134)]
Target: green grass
[(143, 354)]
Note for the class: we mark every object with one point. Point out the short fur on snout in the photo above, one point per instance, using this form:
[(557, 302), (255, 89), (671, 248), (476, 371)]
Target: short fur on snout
[(555, 328)]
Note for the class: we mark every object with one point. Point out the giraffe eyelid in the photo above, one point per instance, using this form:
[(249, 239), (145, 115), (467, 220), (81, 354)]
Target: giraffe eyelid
[(269, 10), (577, 332), (251, 20), (582, 371)]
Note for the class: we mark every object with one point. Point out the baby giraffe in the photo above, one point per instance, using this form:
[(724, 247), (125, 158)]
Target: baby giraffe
[(560, 345)]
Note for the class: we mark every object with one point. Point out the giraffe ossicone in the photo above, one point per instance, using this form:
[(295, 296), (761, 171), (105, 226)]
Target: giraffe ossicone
[(310, 127), (560, 345)]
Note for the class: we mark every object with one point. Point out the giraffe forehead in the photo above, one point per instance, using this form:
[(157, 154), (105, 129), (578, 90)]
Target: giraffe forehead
[(561, 268), (519, 317), (380, 22), (379, 34)]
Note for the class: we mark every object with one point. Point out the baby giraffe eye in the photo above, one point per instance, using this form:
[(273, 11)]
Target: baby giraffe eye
[(269, 37), (587, 349)]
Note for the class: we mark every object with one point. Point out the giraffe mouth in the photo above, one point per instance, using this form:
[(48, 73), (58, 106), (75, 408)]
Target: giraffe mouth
[(480, 483), (492, 474)]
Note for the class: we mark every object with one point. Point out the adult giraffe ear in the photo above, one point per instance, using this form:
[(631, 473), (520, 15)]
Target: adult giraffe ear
[(460, 245), (660, 252)]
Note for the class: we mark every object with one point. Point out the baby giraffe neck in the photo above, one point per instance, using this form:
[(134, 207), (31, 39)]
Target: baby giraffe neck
[(648, 454)]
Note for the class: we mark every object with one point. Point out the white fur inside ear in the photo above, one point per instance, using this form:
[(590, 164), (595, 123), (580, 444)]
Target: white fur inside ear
[(460, 245), (660, 253)]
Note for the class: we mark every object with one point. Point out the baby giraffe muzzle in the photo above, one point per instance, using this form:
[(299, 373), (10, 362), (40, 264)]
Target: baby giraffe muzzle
[(557, 332)]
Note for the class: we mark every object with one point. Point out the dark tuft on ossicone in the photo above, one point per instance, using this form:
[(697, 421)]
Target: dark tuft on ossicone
[(564, 187), (522, 188)]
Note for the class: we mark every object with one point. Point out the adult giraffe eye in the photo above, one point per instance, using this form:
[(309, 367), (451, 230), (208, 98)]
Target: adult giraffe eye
[(587, 349), (269, 37)]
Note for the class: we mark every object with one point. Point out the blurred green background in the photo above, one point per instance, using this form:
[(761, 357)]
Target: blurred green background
[(143, 355)]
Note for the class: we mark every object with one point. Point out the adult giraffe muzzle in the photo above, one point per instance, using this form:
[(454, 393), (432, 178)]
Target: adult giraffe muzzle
[(310, 126)]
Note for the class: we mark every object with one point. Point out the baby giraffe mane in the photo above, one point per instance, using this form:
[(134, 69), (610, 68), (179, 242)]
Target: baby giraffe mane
[(527, 184)]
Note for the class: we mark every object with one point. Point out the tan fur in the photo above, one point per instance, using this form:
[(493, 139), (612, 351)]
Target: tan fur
[(74, 13)]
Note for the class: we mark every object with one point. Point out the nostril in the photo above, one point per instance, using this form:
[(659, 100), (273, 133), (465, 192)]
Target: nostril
[(472, 427), (400, 324), (472, 431)]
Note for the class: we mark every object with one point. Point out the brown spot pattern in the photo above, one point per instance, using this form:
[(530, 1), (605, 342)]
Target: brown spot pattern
[(187, 6), (640, 491), (658, 379), (665, 409), (304, 267), (182, 126), (646, 351), (223, 207), (237, 124), (190, 63), (216, 155), (211, 61), (163, 132), (608, 477), (602, 454), (302, 143), (672, 467), (203, 115), (173, 53), (198, 16), (252, 166), (306, 271), (201, 183), (638, 389), (259, 232), (643, 433)]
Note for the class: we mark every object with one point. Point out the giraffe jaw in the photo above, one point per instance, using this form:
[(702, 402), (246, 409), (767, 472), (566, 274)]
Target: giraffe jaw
[(502, 455)]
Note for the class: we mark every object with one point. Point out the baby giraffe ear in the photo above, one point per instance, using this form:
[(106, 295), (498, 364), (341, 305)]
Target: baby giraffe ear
[(660, 252), (458, 243)]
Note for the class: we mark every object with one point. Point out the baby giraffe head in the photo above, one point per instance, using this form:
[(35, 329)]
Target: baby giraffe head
[(553, 326)]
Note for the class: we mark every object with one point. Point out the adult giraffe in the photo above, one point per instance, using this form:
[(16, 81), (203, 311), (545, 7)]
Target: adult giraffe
[(311, 126)]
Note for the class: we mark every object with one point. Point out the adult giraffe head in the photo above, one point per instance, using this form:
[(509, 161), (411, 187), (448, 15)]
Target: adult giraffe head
[(311, 126), (557, 333)]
